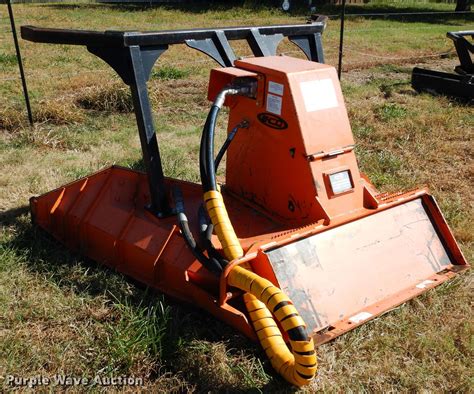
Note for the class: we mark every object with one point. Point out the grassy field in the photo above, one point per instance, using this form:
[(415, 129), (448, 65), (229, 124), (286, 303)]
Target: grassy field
[(62, 314)]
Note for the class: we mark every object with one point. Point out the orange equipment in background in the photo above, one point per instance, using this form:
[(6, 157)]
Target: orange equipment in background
[(295, 248)]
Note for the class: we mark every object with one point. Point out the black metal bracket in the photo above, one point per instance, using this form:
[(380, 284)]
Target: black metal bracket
[(133, 54), (216, 47), (464, 48), (263, 45), (311, 45), (460, 85)]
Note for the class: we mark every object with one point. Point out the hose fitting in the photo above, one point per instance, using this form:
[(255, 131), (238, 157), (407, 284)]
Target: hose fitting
[(219, 101)]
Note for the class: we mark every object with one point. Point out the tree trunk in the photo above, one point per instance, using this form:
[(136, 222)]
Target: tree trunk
[(463, 5)]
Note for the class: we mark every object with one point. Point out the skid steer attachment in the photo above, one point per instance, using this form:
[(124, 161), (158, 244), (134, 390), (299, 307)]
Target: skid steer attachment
[(461, 84), (297, 247)]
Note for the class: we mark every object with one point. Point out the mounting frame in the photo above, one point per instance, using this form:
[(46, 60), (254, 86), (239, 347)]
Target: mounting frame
[(133, 54)]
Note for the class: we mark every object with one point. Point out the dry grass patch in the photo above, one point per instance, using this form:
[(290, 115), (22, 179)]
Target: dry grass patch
[(220, 369), (109, 97), (167, 96), (55, 112)]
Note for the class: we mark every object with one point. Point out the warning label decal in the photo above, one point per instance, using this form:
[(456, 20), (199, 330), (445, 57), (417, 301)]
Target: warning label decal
[(274, 104)]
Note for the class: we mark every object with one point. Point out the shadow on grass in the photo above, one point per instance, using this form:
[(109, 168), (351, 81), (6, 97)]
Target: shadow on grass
[(11, 216), (186, 327)]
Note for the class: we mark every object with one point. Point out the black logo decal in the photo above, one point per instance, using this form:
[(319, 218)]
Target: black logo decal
[(273, 121)]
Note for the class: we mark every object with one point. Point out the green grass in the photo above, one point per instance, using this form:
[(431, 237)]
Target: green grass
[(141, 330), (63, 314), (7, 61), (391, 112), (169, 73)]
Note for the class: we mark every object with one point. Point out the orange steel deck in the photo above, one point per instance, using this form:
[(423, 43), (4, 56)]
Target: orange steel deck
[(103, 216)]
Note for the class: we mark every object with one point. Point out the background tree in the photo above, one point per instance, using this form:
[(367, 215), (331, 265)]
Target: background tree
[(463, 5)]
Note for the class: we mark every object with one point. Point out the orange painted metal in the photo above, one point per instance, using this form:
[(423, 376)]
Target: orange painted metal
[(285, 171), (306, 218)]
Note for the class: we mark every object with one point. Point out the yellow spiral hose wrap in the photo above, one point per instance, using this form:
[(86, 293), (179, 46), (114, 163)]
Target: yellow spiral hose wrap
[(265, 302), (222, 225)]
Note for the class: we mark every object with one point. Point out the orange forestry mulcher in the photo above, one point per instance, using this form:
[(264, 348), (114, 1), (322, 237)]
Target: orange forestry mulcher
[(297, 247)]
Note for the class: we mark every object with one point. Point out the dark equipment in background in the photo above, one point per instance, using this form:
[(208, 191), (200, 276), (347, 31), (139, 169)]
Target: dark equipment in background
[(459, 84)]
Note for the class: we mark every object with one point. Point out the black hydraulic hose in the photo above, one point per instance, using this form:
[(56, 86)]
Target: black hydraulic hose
[(206, 230), (208, 168), (226, 144), (214, 263), (211, 250), (202, 218), (208, 171), (210, 263), (202, 157), (205, 233), (211, 170)]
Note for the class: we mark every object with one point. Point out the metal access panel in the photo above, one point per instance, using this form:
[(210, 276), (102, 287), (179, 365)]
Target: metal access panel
[(351, 273)]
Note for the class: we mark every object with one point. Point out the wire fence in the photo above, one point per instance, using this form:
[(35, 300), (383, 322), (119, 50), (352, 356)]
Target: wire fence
[(359, 50)]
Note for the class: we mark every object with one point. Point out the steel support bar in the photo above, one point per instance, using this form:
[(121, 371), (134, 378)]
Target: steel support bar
[(134, 64), (133, 54), (151, 154), (165, 37)]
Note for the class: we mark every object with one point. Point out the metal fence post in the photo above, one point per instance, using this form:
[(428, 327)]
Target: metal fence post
[(20, 63)]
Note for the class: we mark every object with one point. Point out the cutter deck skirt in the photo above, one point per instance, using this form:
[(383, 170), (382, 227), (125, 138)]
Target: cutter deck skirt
[(338, 276)]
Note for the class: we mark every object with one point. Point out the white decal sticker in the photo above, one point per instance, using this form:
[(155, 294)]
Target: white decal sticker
[(318, 95), (423, 284), (340, 182), (360, 317), (274, 104), (276, 88)]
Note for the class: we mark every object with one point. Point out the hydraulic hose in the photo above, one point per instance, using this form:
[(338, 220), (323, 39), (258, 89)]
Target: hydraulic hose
[(206, 230), (206, 152), (227, 142), (264, 301), (211, 263)]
